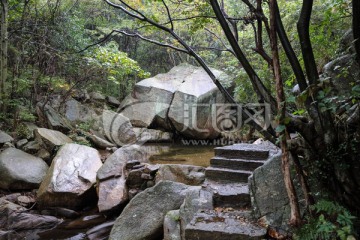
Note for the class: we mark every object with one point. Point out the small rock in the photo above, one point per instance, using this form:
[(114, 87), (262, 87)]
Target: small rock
[(101, 231), (31, 147), (134, 179), (151, 168), (146, 176), (21, 143), (25, 201), (132, 193), (113, 101), (131, 163), (97, 96), (44, 154), (187, 174)]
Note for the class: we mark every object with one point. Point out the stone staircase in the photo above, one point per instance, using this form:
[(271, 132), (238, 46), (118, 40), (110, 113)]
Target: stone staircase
[(227, 180)]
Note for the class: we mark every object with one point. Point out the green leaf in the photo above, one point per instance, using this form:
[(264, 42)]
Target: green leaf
[(280, 128)]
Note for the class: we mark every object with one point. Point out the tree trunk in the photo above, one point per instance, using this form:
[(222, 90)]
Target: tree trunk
[(3, 49), (305, 43), (356, 27), (284, 136)]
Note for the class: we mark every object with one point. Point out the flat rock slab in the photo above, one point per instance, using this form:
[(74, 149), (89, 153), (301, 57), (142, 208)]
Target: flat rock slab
[(243, 151), (234, 195), (229, 225), (51, 138)]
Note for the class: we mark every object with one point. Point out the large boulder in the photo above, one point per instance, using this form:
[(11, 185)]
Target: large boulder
[(19, 170), (268, 193), (191, 110), (171, 100), (187, 174), (151, 98), (117, 128), (143, 217), (70, 179), (50, 138)]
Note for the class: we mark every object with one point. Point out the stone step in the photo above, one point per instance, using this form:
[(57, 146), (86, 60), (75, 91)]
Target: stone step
[(236, 164), (229, 195), (229, 225), (227, 175), (242, 151)]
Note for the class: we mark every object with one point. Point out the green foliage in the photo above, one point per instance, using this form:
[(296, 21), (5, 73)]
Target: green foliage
[(85, 126), (332, 221)]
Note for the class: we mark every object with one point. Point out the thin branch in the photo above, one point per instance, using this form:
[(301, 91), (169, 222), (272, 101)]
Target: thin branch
[(169, 15), (152, 41), (97, 43), (140, 16), (222, 42)]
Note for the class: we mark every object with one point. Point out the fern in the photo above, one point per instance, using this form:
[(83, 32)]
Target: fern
[(332, 221)]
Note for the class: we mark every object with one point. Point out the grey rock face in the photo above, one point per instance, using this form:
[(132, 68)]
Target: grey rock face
[(187, 174), (172, 225), (19, 170), (196, 199), (55, 121), (268, 194), (342, 72), (143, 217), (4, 138), (72, 174), (112, 193), (190, 111), (50, 138), (77, 112)]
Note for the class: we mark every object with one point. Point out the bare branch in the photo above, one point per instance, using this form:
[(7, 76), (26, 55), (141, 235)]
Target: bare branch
[(169, 15), (138, 16), (222, 42), (137, 35)]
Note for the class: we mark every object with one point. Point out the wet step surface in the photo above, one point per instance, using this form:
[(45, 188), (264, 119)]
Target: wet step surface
[(236, 164), (223, 223), (227, 175), (242, 151)]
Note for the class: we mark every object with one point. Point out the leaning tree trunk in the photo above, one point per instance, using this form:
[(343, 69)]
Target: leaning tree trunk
[(356, 27), (295, 218), (3, 50)]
